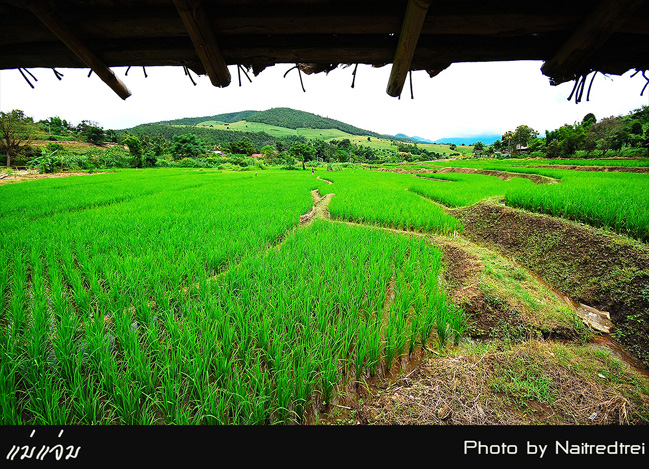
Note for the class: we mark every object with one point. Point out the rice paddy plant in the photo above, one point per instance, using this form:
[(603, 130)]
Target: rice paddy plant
[(373, 350), (284, 388), (261, 394), (169, 307), (457, 323), (613, 201), (9, 406), (328, 372), (361, 352), (465, 189), (47, 403), (442, 326), (384, 199), (389, 347)]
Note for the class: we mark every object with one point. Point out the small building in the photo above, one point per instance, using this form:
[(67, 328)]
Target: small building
[(522, 149)]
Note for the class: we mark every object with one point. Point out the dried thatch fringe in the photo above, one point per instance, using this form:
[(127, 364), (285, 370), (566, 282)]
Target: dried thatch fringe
[(239, 69), (578, 89), (26, 79), (299, 72), (189, 74), (643, 76)]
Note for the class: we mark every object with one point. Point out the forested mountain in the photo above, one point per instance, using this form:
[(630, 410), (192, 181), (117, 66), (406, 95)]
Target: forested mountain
[(227, 117), (293, 119), (280, 117), (209, 136)]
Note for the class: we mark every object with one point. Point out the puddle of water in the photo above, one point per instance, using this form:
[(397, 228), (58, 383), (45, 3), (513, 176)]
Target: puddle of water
[(607, 342), (601, 322)]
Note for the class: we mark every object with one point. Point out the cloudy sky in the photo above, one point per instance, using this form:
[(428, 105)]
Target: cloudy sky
[(464, 100)]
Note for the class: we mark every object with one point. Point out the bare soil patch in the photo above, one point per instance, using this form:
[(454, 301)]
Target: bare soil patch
[(21, 176), (320, 207), (606, 169), (533, 383), (504, 175)]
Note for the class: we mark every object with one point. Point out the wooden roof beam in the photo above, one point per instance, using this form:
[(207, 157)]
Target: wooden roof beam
[(410, 30), (200, 31), (73, 42), (572, 58)]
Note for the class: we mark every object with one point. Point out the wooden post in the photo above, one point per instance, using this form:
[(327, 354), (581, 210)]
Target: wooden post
[(50, 19), (410, 31), (200, 31)]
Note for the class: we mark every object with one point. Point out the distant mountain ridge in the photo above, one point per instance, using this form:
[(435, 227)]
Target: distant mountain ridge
[(281, 117), (487, 139), (295, 119), (415, 138)]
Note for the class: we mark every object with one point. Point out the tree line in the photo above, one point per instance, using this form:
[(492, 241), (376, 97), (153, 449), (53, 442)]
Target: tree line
[(626, 136), (166, 145)]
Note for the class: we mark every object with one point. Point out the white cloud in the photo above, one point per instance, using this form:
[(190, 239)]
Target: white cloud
[(465, 99)]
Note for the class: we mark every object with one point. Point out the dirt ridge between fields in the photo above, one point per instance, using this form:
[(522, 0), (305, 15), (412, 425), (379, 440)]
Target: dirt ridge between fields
[(503, 175)]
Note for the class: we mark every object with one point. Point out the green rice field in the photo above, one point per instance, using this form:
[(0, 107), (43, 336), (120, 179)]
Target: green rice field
[(172, 296)]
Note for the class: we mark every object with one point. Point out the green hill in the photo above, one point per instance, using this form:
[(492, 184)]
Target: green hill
[(277, 126), (282, 117), (227, 117), (293, 119)]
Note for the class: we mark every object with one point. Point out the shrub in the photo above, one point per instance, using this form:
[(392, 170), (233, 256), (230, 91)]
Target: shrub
[(47, 162), (113, 157)]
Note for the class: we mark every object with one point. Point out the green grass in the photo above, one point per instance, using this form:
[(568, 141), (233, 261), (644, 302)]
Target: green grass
[(177, 305), (276, 131), (327, 135), (508, 164), (459, 190), (383, 199), (613, 201), (192, 297)]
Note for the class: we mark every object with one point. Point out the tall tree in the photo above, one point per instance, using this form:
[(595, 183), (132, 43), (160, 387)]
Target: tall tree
[(243, 146), (186, 146), (302, 152), (605, 133), (589, 119), (92, 132), (15, 133), (508, 141), (135, 149)]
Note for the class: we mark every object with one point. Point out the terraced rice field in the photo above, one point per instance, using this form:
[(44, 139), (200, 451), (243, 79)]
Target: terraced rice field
[(199, 297)]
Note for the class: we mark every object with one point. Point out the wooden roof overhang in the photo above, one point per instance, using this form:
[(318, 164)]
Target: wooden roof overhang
[(572, 37)]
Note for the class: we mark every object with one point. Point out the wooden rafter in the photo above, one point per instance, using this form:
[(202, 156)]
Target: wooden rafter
[(73, 42), (410, 31), (199, 29), (572, 58), (263, 33)]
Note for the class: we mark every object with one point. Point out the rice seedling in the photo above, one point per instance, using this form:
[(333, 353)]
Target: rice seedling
[(613, 201), (384, 199), (464, 189), (168, 305)]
